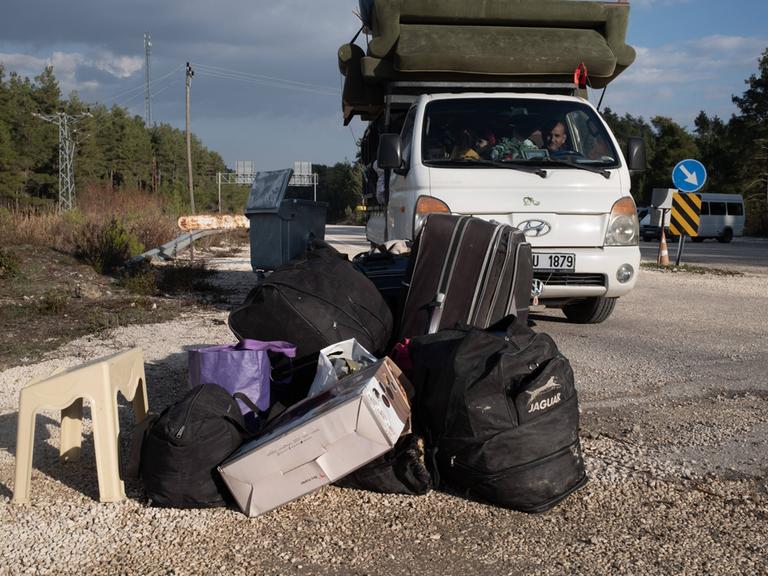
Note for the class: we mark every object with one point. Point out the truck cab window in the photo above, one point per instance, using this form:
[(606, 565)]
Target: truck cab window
[(458, 132), (406, 135)]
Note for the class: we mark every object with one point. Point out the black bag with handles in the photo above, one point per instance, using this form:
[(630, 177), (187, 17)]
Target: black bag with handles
[(499, 414), (183, 446)]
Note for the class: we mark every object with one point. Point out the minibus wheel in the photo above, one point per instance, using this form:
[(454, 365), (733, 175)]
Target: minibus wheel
[(590, 310), (726, 237)]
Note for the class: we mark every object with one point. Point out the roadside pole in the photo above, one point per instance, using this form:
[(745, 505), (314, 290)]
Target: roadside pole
[(680, 243), (218, 181)]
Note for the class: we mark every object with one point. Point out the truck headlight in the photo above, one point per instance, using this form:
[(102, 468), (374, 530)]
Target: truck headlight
[(426, 205), (623, 227)]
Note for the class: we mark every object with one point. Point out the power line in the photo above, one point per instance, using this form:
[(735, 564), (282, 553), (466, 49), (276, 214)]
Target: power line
[(228, 74), (117, 97), (263, 77)]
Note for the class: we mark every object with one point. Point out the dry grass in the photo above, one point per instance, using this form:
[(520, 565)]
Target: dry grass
[(142, 215)]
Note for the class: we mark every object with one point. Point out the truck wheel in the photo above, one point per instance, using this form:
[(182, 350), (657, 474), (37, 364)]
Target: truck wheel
[(590, 310), (697, 239), (726, 237)]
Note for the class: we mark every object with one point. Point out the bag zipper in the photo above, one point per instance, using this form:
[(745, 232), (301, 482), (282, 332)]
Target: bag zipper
[(313, 295), (476, 474), (180, 431)]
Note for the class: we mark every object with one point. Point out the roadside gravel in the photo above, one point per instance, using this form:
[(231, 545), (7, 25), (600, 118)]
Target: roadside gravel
[(674, 404)]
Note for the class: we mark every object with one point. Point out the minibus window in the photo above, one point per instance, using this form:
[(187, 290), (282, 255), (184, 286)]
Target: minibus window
[(735, 209), (717, 208), (704, 208)]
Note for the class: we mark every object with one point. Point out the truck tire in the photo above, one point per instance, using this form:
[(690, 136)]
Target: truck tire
[(726, 237), (590, 310)]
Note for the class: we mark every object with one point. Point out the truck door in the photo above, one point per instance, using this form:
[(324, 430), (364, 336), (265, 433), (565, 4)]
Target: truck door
[(403, 184)]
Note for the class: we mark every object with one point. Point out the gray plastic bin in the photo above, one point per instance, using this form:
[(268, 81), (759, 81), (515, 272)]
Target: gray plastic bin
[(280, 228)]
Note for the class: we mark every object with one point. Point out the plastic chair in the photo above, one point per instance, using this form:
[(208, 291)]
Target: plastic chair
[(97, 381)]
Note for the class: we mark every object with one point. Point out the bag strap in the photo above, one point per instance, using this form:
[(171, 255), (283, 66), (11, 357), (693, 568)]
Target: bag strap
[(279, 346), (247, 401)]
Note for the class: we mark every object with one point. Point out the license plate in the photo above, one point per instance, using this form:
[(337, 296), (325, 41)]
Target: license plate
[(554, 261)]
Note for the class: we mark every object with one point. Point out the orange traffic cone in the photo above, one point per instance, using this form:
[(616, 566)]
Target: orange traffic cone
[(663, 259)]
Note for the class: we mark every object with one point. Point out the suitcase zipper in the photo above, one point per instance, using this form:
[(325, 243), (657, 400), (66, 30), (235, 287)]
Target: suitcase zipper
[(495, 298), (483, 276), (446, 274), (512, 302)]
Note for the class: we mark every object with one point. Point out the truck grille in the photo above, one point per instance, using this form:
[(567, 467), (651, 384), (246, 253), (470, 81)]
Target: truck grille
[(570, 279)]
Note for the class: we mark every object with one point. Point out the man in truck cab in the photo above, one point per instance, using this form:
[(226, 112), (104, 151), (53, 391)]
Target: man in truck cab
[(555, 138)]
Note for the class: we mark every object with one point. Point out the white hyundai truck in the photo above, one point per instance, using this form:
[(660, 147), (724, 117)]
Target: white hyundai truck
[(503, 135)]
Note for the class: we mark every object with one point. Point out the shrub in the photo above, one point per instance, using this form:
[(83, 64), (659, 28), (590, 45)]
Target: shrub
[(51, 303), (143, 283), (9, 265), (107, 247)]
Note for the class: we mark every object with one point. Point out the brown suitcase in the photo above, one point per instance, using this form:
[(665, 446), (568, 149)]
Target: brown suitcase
[(466, 271)]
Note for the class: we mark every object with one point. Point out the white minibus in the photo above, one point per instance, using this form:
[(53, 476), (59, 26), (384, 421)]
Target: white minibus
[(722, 217)]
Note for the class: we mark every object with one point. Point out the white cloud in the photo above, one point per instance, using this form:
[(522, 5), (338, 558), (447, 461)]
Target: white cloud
[(70, 67), (678, 80), (701, 59), (118, 66), (23, 64)]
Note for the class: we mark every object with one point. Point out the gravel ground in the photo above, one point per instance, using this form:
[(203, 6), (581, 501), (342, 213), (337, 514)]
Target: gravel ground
[(674, 399)]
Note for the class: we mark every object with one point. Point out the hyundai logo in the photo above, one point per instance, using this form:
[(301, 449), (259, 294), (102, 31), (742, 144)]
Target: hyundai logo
[(534, 227)]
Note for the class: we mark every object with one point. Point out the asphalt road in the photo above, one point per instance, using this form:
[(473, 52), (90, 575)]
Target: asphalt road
[(748, 252)]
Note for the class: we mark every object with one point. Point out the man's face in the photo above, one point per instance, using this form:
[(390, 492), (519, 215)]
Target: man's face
[(556, 138)]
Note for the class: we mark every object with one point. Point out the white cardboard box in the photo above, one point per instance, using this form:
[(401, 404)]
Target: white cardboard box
[(320, 440)]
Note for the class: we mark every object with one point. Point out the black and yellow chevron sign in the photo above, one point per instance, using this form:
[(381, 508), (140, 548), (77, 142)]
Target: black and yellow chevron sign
[(684, 220)]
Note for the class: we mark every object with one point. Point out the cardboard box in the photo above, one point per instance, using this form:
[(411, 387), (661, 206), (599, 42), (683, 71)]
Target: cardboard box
[(320, 440)]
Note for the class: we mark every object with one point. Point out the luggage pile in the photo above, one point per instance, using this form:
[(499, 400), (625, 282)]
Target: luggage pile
[(390, 373)]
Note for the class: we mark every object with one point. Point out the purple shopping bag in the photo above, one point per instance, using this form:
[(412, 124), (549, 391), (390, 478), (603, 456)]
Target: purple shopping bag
[(243, 367)]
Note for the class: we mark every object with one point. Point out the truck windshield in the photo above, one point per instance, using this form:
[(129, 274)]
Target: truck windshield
[(523, 131)]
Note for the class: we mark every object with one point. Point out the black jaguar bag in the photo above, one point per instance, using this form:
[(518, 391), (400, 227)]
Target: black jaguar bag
[(499, 414)]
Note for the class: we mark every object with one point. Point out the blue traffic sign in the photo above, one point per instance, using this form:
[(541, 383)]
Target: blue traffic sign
[(689, 175)]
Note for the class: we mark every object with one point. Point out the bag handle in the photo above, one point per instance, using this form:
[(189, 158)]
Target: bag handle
[(279, 346)]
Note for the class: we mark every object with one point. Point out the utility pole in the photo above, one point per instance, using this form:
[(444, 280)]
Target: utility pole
[(147, 82), (189, 75), (66, 156)]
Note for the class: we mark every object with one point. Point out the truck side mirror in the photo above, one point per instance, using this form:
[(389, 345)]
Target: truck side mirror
[(636, 154), (390, 151)]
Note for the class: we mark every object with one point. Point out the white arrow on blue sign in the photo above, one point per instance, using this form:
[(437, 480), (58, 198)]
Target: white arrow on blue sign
[(689, 175)]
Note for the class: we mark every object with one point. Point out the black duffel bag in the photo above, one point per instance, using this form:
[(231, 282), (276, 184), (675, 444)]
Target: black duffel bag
[(182, 447), (313, 302), (499, 414)]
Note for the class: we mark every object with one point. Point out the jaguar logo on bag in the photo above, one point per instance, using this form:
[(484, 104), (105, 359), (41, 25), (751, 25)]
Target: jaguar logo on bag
[(538, 405)]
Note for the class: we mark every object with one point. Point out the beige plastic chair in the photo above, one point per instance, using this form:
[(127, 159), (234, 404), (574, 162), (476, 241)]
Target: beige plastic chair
[(98, 382)]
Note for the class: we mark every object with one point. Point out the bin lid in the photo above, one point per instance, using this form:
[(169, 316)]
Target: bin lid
[(268, 190)]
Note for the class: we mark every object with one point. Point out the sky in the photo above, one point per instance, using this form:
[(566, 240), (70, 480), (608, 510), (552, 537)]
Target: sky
[(267, 86)]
